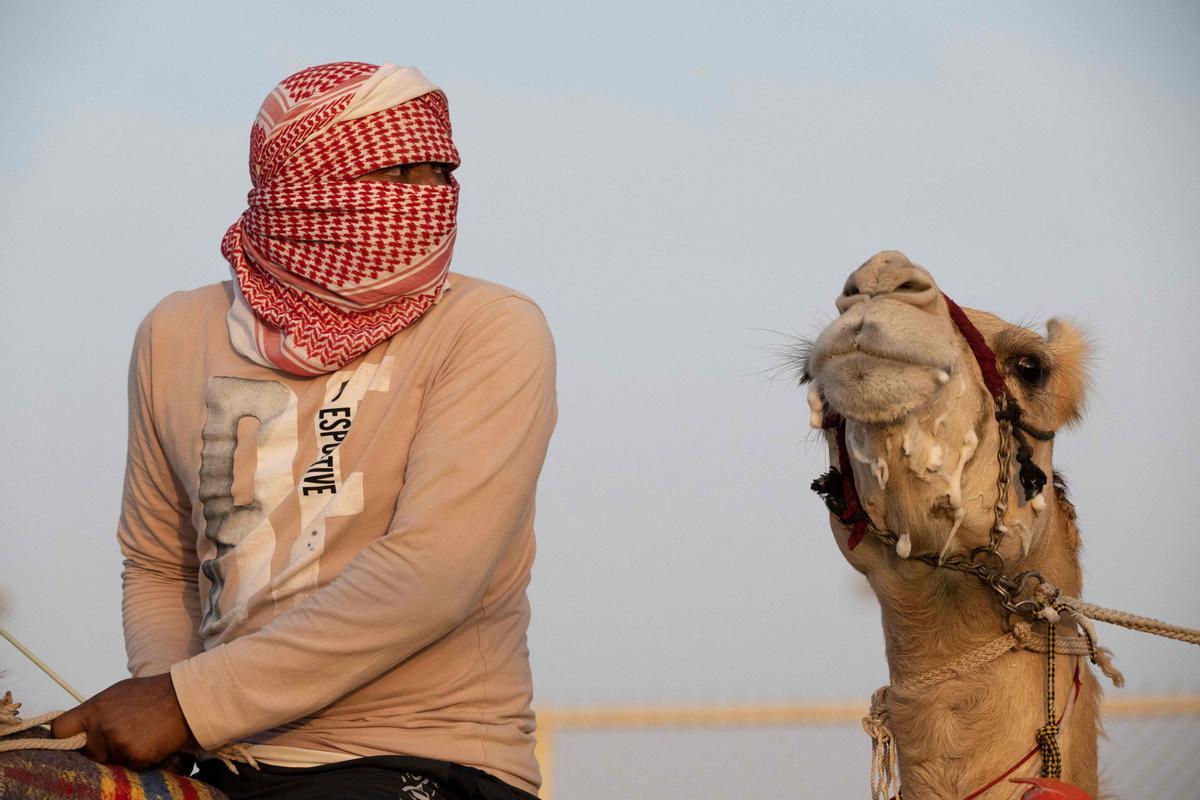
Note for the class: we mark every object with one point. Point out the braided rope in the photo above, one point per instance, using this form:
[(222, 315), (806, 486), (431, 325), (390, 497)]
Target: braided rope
[(229, 755), (1021, 637), (41, 743), (1133, 621), (1047, 735), (10, 723), (1028, 639), (883, 748), (1082, 614), (984, 654), (884, 752), (1047, 741)]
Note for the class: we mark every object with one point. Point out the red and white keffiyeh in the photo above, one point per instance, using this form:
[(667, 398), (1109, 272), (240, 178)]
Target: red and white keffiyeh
[(328, 267)]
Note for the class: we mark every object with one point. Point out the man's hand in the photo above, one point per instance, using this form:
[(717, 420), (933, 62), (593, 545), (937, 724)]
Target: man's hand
[(136, 723)]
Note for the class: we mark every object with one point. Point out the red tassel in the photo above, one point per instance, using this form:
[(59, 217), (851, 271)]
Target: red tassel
[(854, 509), (1051, 789)]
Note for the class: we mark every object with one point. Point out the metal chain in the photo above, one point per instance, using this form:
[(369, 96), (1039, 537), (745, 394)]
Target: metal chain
[(988, 566), (1004, 457), (985, 562)]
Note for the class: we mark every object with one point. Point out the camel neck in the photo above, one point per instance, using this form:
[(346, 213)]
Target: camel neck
[(932, 616), (969, 728)]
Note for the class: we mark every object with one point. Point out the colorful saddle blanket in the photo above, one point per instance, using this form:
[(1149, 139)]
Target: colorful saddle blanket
[(61, 774)]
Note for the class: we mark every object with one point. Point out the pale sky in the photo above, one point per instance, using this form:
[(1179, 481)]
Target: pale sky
[(679, 187)]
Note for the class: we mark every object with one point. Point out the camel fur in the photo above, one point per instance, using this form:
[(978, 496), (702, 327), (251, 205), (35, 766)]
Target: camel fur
[(923, 442)]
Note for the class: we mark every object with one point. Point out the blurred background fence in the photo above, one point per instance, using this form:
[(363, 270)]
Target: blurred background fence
[(815, 750)]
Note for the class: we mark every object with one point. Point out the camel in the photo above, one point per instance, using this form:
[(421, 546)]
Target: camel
[(923, 443)]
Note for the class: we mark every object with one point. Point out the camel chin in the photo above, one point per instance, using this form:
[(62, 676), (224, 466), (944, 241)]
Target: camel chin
[(878, 391)]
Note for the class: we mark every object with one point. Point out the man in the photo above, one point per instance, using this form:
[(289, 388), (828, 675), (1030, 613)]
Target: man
[(328, 511)]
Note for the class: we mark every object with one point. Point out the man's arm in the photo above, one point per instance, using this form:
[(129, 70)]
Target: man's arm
[(138, 722), (160, 599), (469, 486), (472, 473)]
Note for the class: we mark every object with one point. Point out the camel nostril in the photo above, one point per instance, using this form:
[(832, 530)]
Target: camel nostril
[(914, 286), (850, 290)]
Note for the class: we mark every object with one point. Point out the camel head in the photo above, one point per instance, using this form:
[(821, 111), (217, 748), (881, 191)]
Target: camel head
[(921, 434)]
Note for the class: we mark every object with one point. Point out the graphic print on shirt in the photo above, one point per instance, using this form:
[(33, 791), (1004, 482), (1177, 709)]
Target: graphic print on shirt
[(242, 534), (322, 492), (243, 537)]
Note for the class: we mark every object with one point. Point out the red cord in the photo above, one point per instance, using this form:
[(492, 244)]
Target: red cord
[(983, 354)]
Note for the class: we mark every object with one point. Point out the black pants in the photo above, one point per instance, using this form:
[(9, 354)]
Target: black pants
[(382, 777)]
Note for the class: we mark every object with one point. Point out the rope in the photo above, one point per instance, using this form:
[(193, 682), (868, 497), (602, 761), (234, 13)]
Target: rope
[(1047, 735), (841, 496), (979, 348), (884, 753), (229, 755), (10, 719), (10, 723), (74, 743), (976, 658), (1082, 614), (1131, 621), (883, 748), (1072, 698), (1021, 637), (19, 725), (1075, 646)]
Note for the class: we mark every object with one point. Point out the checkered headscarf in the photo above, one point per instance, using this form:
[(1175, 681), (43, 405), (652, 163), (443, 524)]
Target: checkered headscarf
[(328, 267)]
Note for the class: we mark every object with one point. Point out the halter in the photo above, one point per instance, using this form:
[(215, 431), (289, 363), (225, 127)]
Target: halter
[(837, 486), (841, 496)]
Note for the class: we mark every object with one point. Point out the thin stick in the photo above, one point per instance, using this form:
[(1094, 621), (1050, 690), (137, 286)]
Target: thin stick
[(41, 664)]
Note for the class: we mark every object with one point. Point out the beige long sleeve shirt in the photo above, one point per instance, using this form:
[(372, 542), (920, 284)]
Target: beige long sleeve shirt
[(338, 564)]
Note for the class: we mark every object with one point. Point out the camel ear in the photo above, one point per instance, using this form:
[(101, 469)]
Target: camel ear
[(1068, 384)]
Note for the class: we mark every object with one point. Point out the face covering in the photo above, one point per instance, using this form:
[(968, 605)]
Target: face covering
[(327, 267)]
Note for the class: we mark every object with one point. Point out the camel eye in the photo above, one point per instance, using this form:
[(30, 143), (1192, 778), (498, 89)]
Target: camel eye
[(1031, 370)]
